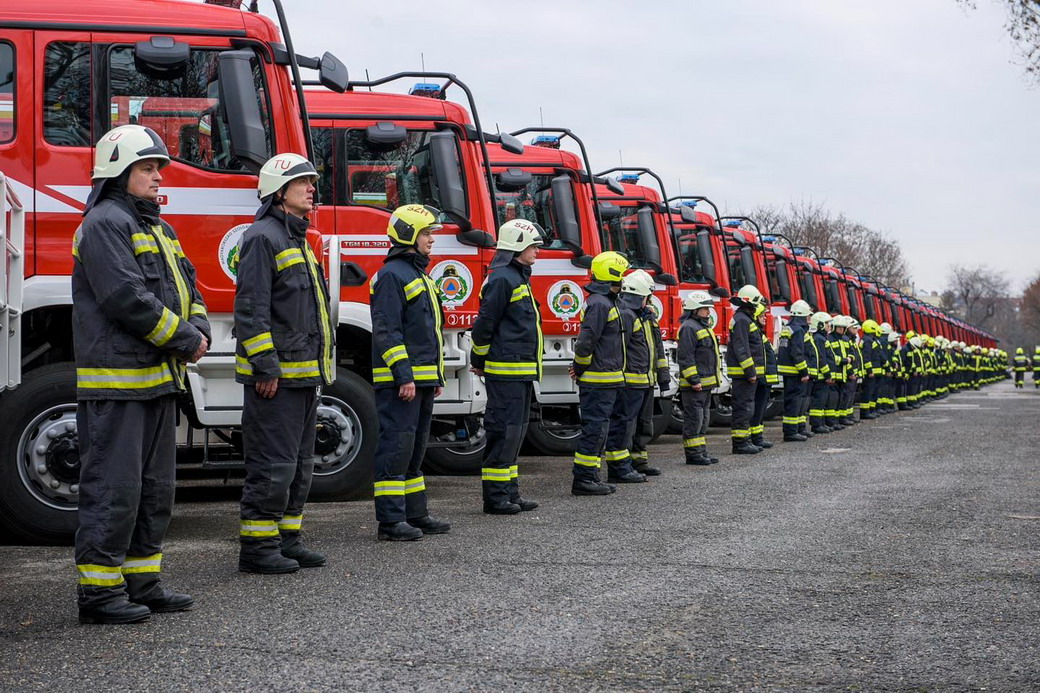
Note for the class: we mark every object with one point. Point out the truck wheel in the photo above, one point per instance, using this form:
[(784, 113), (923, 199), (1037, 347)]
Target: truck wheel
[(466, 452), (346, 440), (39, 456), (721, 411), (561, 438), (663, 417), (675, 425), (775, 407)]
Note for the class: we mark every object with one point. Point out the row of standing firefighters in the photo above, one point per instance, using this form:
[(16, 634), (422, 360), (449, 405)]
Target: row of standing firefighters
[(1022, 364)]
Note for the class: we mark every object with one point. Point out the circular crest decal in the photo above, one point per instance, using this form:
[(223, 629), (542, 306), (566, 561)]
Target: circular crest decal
[(227, 253), (454, 282), (565, 299)]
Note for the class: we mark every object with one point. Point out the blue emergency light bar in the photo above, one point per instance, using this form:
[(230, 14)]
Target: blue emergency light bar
[(769, 239), (547, 141), (430, 90), (632, 178), (733, 224), (688, 203)]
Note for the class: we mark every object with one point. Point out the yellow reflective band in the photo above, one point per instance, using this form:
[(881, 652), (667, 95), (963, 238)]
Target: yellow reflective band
[(424, 373), (438, 322), (757, 429), (144, 243), (662, 363), (415, 485), (583, 360), (586, 460), (514, 472), (414, 288), (602, 377), (175, 269), (382, 375), (740, 433), (164, 329), (637, 379), (816, 412), (322, 306), (258, 344), (747, 363), (142, 564), (123, 378), (198, 309), (689, 372), (613, 315), (395, 354), (709, 380), (701, 334), (753, 327), (287, 258), (299, 369), (787, 370), (290, 523), (481, 349), (99, 575), (792, 420), (177, 249), (493, 474), (389, 488), (519, 293), (694, 442), (615, 455), (258, 528), (503, 368)]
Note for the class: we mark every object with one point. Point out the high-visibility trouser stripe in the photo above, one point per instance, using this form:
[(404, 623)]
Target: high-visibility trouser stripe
[(258, 528), (142, 564), (514, 472), (615, 455), (739, 433), (583, 360), (288, 258), (99, 575), (144, 243), (791, 420), (198, 309), (755, 430), (415, 485), (817, 412), (638, 455), (601, 377), (395, 354), (830, 413), (504, 368), (290, 523), (586, 460), (694, 442), (389, 488), (689, 372), (481, 349), (803, 419), (787, 370), (164, 329), (258, 344), (123, 378), (519, 293), (495, 474), (901, 400), (637, 378), (414, 288)]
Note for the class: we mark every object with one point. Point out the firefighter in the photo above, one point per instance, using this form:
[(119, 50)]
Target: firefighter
[(765, 385), (873, 367), (1021, 366), (745, 362), (599, 360), (137, 320), (507, 353), (1036, 368), (283, 357), (698, 356), (407, 373), (839, 371), (660, 373), (855, 368), (792, 362), (882, 354), (819, 328)]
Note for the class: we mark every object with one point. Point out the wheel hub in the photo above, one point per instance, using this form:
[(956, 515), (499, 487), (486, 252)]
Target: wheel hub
[(48, 457), (338, 437), (63, 458)]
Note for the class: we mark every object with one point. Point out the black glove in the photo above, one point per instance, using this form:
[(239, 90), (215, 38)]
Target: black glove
[(664, 384)]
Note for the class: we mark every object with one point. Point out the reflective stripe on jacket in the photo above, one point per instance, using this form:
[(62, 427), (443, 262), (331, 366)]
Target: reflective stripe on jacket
[(698, 353), (599, 351), (791, 356), (745, 357), (507, 334)]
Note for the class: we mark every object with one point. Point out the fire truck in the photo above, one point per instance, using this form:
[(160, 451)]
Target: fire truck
[(222, 87)]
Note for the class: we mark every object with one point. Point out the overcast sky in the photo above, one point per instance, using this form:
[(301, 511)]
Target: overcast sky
[(910, 117)]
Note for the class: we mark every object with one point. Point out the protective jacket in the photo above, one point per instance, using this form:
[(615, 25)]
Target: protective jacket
[(772, 374), (507, 335), (838, 347), (873, 355), (825, 364), (1021, 363), (599, 351), (643, 348), (282, 321), (745, 357), (137, 316), (698, 353), (407, 342), (794, 341)]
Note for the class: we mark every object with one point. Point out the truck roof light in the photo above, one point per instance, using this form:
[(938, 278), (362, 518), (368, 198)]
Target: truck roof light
[(632, 178), (688, 203), (732, 224), (430, 90), (547, 141)]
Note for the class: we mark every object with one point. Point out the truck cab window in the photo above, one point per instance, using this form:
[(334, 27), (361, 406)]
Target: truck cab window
[(533, 202), (6, 92), (621, 234), (690, 266), (325, 163), (66, 94), (737, 276), (184, 110)]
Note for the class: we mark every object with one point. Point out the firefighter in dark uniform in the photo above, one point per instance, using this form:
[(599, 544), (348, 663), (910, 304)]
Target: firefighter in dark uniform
[(661, 373), (698, 356), (792, 362), (873, 367), (823, 379), (839, 371), (283, 357), (407, 372), (883, 351), (1021, 366), (745, 363), (764, 390), (1036, 368), (599, 361), (137, 320), (640, 377), (847, 415), (507, 352)]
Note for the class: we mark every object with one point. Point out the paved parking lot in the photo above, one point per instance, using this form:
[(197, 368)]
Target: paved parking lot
[(900, 554)]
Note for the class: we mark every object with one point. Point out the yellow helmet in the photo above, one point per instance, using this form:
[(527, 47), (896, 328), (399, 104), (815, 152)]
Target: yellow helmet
[(871, 327), (609, 266), (1020, 351), (407, 222), (931, 341)]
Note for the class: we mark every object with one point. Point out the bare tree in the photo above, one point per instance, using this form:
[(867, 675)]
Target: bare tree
[(978, 294), (1023, 24)]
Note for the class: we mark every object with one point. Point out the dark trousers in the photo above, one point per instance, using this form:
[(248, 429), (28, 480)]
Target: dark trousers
[(1020, 379), (505, 425), (794, 399), (404, 428), (596, 405), (868, 396), (831, 410), (695, 420), (818, 409), (623, 419), (278, 437), (848, 395), (644, 429), (126, 483), (742, 396), (758, 414)]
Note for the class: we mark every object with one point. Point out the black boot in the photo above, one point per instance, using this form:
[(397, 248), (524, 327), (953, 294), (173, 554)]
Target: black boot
[(430, 525), (267, 564), (113, 612), (795, 438), (526, 505), (587, 487), (761, 442), (304, 556), (163, 601), (699, 458), (745, 447), (645, 469), (626, 477), (502, 508), (399, 531)]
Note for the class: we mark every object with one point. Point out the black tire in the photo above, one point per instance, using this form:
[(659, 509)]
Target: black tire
[(775, 407), (346, 444), (464, 457), (721, 411), (561, 440), (663, 418), (39, 458), (675, 425)]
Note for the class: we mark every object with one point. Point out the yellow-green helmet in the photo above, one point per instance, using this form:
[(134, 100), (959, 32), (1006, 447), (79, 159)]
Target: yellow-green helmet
[(609, 266), (871, 326), (407, 222)]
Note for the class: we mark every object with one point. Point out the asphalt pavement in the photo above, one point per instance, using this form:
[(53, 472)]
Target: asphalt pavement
[(902, 554)]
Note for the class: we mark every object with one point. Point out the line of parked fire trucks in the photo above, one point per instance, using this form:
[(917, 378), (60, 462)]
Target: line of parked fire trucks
[(222, 86)]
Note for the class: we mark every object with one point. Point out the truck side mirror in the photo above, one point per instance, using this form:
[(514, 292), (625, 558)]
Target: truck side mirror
[(615, 187), (445, 162), (161, 57), (688, 214), (563, 209), (707, 258), (609, 210), (747, 261), (511, 144), (240, 105), (513, 179), (648, 237), (666, 278), (333, 73), (386, 133)]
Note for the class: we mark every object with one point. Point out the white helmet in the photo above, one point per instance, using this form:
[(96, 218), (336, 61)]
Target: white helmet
[(885, 328), (518, 235), (279, 170), (697, 299), (122, 146), (962, 345), (638, 282), (839, 321), (916, 341), (801, 309), (893, 337), (819, 320), (750, 295)]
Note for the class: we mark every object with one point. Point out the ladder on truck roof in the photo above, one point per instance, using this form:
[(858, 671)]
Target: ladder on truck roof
[(12, 280)]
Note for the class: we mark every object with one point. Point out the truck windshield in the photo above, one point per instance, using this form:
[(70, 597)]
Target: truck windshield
[(691, 269), (390, 175), (622, 235), (533, 202)]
